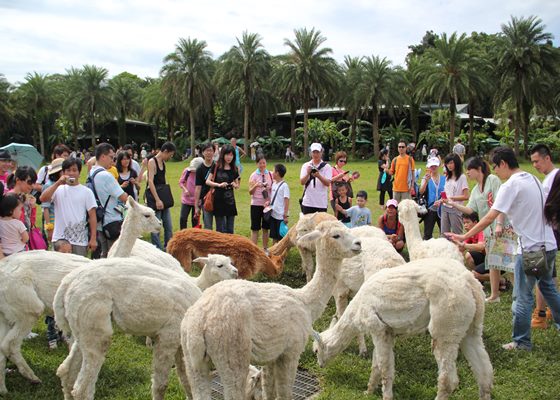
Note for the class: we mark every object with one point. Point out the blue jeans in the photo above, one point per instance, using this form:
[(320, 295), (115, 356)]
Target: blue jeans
[(165, 217), (208, 219), (522, 305), (225, 223)]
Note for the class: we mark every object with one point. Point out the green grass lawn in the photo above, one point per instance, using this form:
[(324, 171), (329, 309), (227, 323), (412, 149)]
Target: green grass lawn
[(126, 372)]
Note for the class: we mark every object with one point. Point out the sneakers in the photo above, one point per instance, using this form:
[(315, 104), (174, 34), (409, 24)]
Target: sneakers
[(538, 321), (514, 346), (31, 335), (53, 345), (492, 300)]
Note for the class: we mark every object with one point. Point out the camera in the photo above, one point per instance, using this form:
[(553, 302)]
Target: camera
[(313, 171), (70, 180)]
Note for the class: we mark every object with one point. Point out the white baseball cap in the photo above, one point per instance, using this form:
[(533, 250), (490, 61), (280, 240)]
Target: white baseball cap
[(316, 147), (432, 161)]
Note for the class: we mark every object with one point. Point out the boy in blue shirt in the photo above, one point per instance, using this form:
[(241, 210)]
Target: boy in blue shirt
[(359, 215)]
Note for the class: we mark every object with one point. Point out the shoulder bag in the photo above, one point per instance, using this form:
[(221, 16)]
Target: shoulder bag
[(208, 204), (535, 262), (268, 213)]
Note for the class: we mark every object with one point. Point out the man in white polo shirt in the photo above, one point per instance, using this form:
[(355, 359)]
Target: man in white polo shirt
[(315, 176), (521, 199)]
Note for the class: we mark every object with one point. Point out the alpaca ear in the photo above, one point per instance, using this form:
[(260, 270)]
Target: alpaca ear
[(130, 202), (202, 260), (309, 238)]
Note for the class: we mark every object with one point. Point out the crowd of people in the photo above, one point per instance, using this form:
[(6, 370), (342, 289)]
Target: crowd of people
[(87, 218)]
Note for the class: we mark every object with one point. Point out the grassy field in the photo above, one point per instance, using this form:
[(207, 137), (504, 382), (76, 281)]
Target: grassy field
[(126, 372)]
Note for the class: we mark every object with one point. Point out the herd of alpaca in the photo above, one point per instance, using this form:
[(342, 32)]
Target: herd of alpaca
[(216, 319)]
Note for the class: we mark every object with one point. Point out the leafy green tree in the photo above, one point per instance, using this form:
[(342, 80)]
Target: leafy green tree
[(353, 100), (156, 108), (5, 108), (187, 77), (244, 70), (126, 98), (73, 111), (378, 87), (287, 90), (410, 85), (315, 72), (92, 94), (446, 74), (527, 60)]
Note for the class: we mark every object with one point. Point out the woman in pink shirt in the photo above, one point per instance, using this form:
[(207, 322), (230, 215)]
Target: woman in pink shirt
[(187, 185), (22, 182), (260, 188)]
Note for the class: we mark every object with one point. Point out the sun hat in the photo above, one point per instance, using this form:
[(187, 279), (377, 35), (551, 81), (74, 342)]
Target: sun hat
[(56, 166), (432, 161), (283, 229), (392, 202), (195, 163), (316, 147), (5, 155)]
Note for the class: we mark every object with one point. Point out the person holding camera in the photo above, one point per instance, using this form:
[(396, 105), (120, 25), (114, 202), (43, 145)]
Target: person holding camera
[(260, 186), (315, 176), (74, 207), (224, 178)]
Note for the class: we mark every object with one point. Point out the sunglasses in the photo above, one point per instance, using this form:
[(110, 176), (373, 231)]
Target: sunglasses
[(342, 161)]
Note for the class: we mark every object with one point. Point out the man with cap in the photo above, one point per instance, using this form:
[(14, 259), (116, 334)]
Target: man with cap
[(5, 165), (315, 176), (430, 188)]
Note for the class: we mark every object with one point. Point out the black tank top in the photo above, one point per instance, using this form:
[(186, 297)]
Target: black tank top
[(159, 177)]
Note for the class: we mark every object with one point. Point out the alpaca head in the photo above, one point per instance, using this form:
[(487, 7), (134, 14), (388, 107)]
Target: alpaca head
[(278, 263), (217, 267), (305, 225), (320, 350), (409, 211), (333, 239), (140, 218)]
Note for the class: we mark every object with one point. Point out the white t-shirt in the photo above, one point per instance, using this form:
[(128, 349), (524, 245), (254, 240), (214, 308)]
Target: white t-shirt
[(522, 202), (106, 185), (71, 205), (547, 182), (283, 193), (455, 188), (10, 234), (316, 194)]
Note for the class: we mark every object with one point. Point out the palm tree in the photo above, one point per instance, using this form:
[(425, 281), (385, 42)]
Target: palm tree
[(245, 68), (315, 73), (378, 88), (527, 58), (186, 75), (288, 92), (410, 84), (38, 94), (92, 94), (446, 74), (353, 100), (73, 110), (157, 109), (126, 97), (5, 109)]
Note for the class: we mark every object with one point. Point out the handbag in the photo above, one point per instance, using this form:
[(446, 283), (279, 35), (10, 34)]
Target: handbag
[(535, 262), (208, 203), (112, 230), (267, 212), (164, 194), (36, 240)]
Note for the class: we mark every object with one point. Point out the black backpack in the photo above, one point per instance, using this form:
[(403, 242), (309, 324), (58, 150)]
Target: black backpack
[(100, 211)]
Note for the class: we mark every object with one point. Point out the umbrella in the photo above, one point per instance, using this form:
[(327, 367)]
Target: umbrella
[(24, 154), (221, 140), (255, 144)]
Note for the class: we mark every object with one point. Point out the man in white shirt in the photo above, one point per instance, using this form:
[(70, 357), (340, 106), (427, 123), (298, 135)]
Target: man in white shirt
[(459, 149), (521, 193), (542, 161), (315, 176)]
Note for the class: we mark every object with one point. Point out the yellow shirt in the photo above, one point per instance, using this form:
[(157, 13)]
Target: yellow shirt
[(113, 171), (399, 168)]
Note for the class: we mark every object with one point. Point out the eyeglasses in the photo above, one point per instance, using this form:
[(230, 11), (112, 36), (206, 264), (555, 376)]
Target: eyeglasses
[(342, 161)]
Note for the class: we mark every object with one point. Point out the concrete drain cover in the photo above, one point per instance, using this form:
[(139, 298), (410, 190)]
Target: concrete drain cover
[(305, 386)]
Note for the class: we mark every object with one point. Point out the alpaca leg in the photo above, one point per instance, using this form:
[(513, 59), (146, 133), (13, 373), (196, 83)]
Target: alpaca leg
[(269, 390), (164, 352), (182, 372), (375, 376), (285, 372), (385, 359), (233, 371), (445, 354), (69, 369), (3, 330), (197, 366), (11, 346), (475, 353)]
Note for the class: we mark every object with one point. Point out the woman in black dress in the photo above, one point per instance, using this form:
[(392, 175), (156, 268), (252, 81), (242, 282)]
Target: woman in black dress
[(384, 183), (128, 178), (224, 179)]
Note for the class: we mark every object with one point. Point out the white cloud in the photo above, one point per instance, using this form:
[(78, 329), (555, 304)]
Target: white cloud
[(50, 36)]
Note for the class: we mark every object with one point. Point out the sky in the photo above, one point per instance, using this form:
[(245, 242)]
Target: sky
[(50, 36)]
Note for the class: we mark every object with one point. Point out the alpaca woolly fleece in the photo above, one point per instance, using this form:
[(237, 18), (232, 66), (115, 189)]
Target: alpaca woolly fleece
[(238, 322), (434, 294)]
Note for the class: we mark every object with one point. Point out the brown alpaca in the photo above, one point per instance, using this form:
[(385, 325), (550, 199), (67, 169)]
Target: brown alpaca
[(247, 257)]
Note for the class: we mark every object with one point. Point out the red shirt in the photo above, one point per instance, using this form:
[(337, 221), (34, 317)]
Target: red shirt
[(478, 238)]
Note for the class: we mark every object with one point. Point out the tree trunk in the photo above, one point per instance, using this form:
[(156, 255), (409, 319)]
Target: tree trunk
[(92, 130), (526, 121), (306, 127), (121, 124), (209, 128), (452, 111), (375, 128), (353, 126), (41, 138), (471, 128), (293, 115), (191, 117), (414, 121), (246, 113), (75, 126), (517, 127)]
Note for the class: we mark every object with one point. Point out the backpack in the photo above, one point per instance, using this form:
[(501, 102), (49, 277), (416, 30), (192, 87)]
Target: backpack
[(90, 184)]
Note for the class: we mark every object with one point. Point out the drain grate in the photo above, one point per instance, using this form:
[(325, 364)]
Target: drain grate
[(305, 386)]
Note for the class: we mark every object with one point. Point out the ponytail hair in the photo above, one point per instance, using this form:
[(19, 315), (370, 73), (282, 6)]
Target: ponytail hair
[(476, 163)]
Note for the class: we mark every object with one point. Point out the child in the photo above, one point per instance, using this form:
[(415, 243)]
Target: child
[(281, 206), (342, 202), (359, 215), (473, 247), (62, 246), (13, 233)]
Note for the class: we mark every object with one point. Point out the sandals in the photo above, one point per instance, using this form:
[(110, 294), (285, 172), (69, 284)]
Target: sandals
[(514, 346), (505, 285)]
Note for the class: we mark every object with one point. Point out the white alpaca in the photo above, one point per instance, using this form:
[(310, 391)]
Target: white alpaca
[(436, 294), (376, 255), (238, 322), (418, 248), (27, 287), (141, 299)]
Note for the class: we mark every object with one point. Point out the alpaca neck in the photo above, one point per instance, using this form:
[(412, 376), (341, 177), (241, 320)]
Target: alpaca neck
[(318, 291), (412, 232), (337, 338), (202, 281), (126, 240), (282, 245)]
